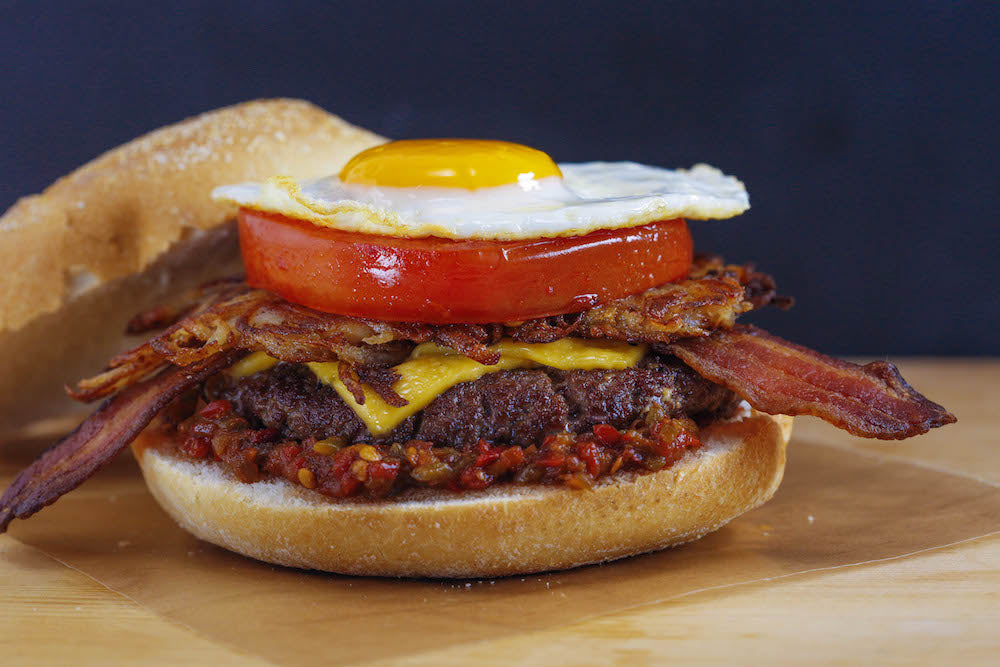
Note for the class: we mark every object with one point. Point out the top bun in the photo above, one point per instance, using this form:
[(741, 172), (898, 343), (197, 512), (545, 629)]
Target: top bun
[(134, 227)]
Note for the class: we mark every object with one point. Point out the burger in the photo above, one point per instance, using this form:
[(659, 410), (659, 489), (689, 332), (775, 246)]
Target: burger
[(444, 358)]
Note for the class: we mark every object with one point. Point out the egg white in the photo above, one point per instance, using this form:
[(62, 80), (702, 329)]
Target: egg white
[(590, 196)]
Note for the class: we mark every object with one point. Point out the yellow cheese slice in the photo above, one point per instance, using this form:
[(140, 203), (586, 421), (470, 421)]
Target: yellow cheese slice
[(432, 370), (255, 362)]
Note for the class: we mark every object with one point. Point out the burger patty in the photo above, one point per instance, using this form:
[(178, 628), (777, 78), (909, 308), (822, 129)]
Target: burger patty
[(518, 407)]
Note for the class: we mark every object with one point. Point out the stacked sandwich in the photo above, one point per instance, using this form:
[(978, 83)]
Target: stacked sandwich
[(445, 358)]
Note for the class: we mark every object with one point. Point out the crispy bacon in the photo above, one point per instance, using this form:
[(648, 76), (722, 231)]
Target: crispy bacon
[(349, 376), (678, 310), (759, 289), (229, 315), (238, 317), (381, 381), (97, 440), (692, 319), (779, 377)]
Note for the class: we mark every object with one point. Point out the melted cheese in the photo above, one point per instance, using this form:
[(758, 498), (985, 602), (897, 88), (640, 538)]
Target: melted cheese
[(254, 362), (432, 370)]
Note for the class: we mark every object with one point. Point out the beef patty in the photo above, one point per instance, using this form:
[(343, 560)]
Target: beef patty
[(517, 407)]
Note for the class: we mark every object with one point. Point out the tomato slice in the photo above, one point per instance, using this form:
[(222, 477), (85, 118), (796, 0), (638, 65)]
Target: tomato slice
[(443, 281)]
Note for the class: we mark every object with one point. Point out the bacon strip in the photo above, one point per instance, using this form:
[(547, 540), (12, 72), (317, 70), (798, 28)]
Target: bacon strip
[(779, 377), (74, 459)]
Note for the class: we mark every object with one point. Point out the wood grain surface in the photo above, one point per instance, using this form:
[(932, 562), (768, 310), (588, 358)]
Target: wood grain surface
[(936, 607)]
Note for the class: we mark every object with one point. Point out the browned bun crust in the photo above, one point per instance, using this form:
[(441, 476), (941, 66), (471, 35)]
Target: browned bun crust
[(133, 227), (500, 531)]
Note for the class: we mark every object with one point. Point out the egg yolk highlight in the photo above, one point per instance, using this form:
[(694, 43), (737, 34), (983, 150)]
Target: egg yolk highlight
[(448, 163)]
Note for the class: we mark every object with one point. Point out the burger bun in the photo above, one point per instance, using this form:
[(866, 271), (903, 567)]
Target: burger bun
[(503, 530)]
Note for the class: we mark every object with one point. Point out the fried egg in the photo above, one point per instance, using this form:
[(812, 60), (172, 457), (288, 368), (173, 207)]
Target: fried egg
[(480, 189)]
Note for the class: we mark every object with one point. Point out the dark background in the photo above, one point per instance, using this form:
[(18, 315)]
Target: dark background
[(866, 133)]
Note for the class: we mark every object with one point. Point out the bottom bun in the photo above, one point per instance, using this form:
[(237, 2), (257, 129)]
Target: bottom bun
[(500, 531)]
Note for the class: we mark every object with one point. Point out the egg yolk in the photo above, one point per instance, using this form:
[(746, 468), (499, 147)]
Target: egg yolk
[(448, 163)]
